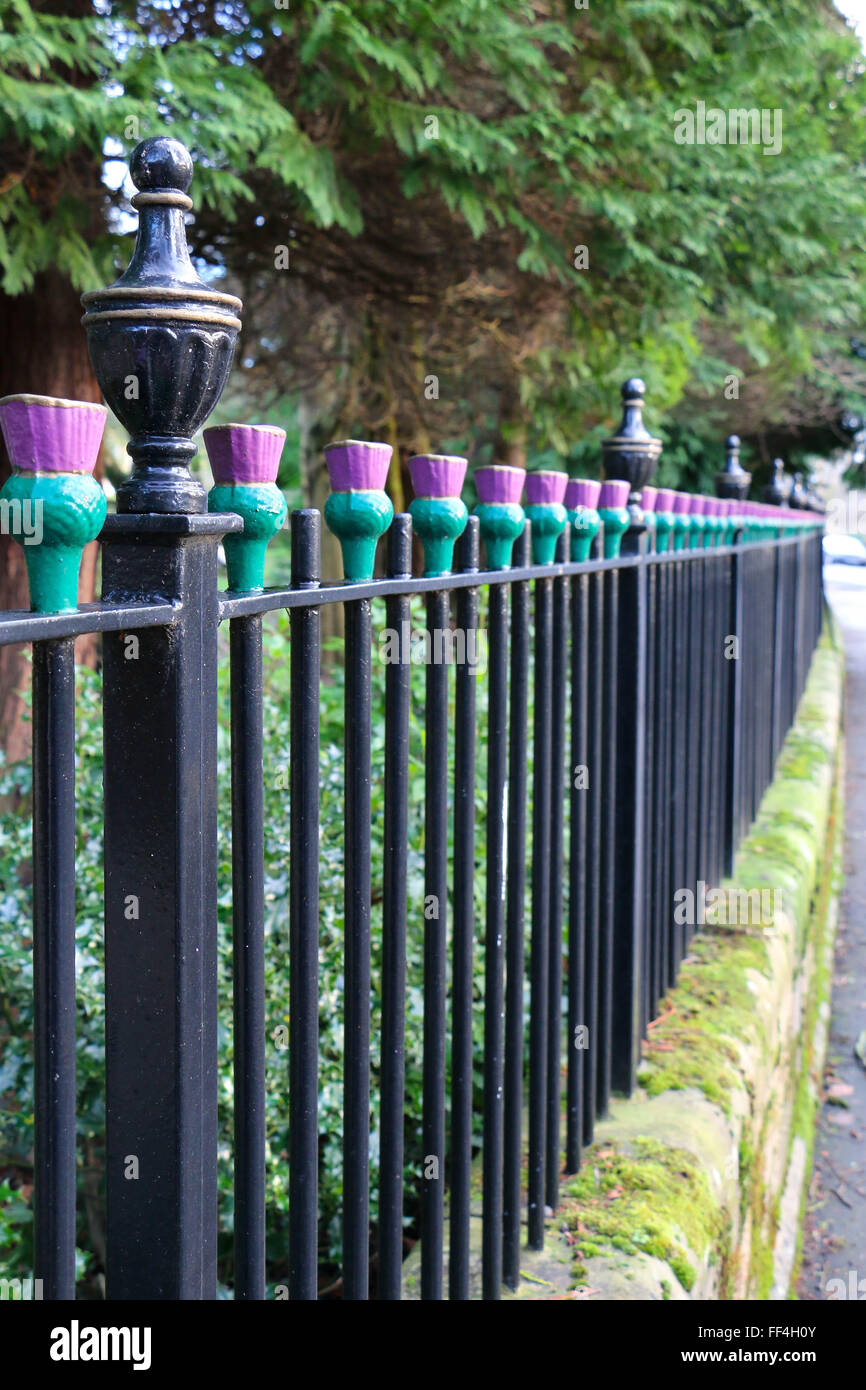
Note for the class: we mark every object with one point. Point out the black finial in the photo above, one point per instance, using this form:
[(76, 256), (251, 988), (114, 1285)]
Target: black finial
[(733, 480), (632, 453), (163, 163), (798, 497), (161, 342), (775, 492)]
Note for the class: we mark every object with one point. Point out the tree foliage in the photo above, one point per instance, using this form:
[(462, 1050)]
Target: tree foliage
[(430, 171)]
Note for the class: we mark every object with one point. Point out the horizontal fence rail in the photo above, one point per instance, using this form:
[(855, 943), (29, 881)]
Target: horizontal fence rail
[(645, 655)]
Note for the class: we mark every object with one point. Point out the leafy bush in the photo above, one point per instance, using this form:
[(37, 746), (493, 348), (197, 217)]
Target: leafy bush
[(16, 975)]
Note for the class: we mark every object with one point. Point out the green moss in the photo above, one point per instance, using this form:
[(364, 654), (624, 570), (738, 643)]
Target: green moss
[(695, 1045), (650, 1199), (644, 1197)]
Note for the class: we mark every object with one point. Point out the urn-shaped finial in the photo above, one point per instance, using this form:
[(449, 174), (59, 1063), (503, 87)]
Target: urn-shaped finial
[(732, 481), (632, 453), (161, 342), (775, 491), (798, 498)]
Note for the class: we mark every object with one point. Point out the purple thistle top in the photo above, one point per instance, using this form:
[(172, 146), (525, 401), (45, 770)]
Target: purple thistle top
[(45, 434), (437, 475), (242, 454), (614, 494), (582, 492), (357, 465), (499, 482), (545, 487)]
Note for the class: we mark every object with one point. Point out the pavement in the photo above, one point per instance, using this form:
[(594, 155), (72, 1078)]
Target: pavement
[(834, 1243)]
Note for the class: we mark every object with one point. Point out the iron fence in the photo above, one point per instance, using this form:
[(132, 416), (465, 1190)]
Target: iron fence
[(652, 682)]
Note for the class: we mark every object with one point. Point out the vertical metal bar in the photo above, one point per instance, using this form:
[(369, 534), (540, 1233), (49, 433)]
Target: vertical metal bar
[(305, 630), (464, 919), (579, 792), (559, 676), (629, 825), (678, 770), (160, 725), (607, 908), (693, 732), (248, 951), (494, 943), (705, 675), (515, 915), (540, 938), (660, 804), (356, 1103), (650, 841), (435, 915), (734, 698), (596, 774), (392, 1063), (54, 965)]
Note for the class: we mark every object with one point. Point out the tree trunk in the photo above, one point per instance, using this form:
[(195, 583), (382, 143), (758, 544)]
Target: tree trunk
[(43, 350)]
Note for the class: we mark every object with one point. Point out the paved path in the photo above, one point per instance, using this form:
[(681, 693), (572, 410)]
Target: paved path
[(834, 1245)]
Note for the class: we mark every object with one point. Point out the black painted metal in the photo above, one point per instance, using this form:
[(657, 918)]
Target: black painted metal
[(248, 949), (676, 761), (515, 915), (54, 965), (608, 859), (161, 330), (596, 772), (435, 957), (88, 617), (494, 945), (305, 629), (542, 694), (356, 1057), (576, 1037), (460, 1173), (559, 698), (629, 882), (160, 704), (684, 674), (392, 1064)]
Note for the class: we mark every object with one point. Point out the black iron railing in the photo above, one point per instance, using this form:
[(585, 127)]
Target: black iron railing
[(636, 705)]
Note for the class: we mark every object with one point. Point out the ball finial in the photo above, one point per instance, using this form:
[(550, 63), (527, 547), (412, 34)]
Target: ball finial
[(633, 389), (162, 163), (733, 441)]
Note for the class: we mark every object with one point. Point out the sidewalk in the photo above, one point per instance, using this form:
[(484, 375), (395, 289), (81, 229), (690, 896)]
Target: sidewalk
[(834, 1242)]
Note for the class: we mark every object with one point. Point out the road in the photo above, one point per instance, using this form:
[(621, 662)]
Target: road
[(834, 1248)]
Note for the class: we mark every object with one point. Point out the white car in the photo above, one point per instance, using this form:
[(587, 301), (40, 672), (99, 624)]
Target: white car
[(840, 549)]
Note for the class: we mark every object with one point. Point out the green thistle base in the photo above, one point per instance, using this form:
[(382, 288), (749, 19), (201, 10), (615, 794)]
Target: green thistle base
[(263, 509), (500, 524), (682, 527), (585, 526), (548, 523), (358, 519), (66, 512), (664, 529), (615, 521), (438, 521)]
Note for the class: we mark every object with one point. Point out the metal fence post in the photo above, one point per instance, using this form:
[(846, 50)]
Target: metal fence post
[(161, 345), (629, 878)]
